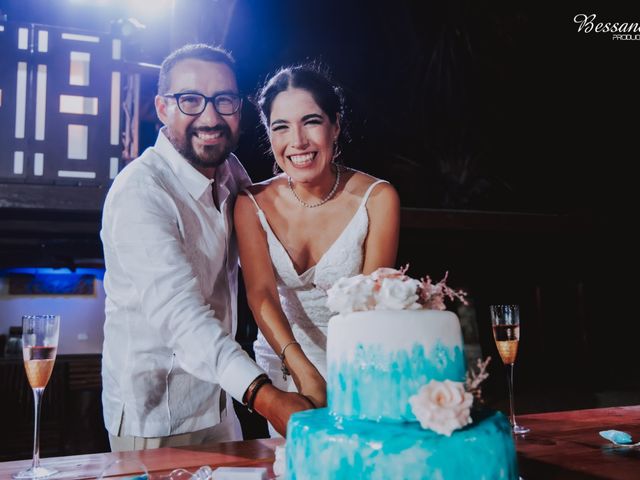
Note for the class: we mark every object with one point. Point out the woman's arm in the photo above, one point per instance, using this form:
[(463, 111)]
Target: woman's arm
[(263, 299), (381, 245)]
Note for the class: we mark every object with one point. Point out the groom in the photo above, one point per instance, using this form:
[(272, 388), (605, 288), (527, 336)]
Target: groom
[(170, 362)]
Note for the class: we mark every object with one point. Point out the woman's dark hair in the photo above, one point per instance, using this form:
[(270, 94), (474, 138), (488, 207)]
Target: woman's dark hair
[(312, 77)]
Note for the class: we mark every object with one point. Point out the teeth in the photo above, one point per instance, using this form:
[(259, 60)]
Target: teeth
[(209, 136), (300, 159)]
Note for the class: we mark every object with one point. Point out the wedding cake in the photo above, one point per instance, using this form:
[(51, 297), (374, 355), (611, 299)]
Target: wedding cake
[(400, 401)]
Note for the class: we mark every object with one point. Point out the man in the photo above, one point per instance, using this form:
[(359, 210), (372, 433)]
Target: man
[(171, 258)]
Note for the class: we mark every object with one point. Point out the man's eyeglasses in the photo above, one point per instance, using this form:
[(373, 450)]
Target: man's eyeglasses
[(195, 103)]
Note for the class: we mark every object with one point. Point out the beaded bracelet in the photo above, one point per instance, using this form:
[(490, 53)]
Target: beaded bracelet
[(283, 368)]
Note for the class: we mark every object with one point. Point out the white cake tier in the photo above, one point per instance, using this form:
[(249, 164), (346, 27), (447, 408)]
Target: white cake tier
[(377, 359)]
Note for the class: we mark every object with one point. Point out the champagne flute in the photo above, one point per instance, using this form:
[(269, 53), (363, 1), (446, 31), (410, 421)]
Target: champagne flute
[(39, 346), (505, 320)]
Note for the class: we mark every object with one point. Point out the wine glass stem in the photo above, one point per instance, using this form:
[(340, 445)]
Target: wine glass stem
[(512, 412), (37, 396)]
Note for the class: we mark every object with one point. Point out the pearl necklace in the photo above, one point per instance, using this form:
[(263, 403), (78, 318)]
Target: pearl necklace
[(324, 200)]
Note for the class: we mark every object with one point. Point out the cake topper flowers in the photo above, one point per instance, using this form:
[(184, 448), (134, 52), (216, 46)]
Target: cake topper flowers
[(432, 295), (390, 289)]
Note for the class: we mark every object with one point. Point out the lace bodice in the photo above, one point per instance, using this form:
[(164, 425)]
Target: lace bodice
[(303, 296)]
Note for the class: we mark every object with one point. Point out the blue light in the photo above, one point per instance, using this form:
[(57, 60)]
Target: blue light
[(96, 272)]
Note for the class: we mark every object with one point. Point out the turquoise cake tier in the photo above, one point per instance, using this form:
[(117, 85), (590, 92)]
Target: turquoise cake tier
[(375, 384), (322, 446)]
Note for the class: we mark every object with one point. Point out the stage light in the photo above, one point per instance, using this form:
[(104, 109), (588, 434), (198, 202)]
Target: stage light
[(143, 9), (127, 27), (93, 3)]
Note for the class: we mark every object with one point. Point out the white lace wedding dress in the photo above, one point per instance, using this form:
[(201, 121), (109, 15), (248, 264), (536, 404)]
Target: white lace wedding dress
[(303, 297)]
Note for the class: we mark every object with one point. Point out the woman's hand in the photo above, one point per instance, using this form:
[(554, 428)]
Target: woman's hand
[(306, 376), (277, 406), (315, 389)]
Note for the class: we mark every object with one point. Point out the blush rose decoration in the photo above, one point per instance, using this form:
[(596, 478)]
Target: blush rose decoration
[(442, 406)]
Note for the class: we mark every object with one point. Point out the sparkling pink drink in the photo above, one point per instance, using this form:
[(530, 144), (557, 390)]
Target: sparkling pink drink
[(506, 337), (38, 363)]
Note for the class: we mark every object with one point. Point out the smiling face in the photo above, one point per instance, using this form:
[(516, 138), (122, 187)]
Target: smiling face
[(302, 136), (205, 140)]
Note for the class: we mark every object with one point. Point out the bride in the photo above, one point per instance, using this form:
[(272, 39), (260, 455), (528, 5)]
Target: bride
[(305, 228)]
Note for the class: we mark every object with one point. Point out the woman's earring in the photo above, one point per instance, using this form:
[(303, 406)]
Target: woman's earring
[(336, 150), (276, 168)]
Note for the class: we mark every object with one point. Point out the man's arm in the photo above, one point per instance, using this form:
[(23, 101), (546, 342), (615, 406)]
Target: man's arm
[(141, 227), (277, 406)]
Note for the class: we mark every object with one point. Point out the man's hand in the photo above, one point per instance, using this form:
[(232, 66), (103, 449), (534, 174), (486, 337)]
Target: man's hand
[(277, 406)]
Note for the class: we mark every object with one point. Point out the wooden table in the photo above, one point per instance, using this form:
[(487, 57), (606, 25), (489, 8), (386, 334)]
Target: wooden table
[(561, 445), (250, 453), (566, 445)]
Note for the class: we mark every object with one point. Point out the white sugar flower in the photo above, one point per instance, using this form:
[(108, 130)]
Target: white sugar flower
[(280, 463), (351, 295), (442, 406), (397, 294), (385, 272)]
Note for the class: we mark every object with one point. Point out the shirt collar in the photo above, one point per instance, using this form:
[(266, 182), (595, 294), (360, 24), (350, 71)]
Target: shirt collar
[(195, 183)]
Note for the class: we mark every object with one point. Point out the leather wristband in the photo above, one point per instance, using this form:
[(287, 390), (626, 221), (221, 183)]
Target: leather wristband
[(250, 395)]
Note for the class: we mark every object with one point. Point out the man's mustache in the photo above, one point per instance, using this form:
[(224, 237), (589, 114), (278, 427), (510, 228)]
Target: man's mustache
[(216, 128)]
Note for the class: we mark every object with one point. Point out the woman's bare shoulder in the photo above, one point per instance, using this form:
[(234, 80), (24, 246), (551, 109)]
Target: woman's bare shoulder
[(359, 182), (266, 187)]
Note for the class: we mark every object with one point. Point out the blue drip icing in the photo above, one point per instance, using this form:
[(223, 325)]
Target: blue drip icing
[(377, 384), (323, 446)]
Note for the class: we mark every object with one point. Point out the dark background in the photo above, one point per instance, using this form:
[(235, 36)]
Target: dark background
[(510, 136), (501, 106)]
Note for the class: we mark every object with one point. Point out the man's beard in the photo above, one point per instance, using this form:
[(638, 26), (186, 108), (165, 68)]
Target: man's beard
[(211, 156)]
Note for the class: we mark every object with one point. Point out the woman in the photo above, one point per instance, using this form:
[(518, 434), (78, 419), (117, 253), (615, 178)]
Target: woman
[(302, 230)]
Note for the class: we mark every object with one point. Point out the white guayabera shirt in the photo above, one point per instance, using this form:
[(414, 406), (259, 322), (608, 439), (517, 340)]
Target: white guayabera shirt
[(171, 282)]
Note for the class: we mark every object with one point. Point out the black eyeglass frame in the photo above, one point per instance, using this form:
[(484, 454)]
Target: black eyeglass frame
[(211, 99)]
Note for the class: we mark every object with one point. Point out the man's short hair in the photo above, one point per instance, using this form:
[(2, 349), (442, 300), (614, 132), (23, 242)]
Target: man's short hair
[(197, 51)]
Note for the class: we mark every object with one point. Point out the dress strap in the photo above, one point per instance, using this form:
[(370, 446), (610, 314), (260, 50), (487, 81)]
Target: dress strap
[(369, 190), (246, 190)]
